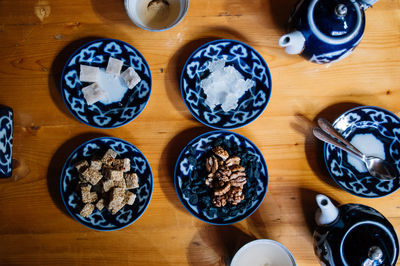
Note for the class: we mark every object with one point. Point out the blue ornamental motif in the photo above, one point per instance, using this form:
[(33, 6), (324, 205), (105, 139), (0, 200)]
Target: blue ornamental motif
[(384, 127), (194, 194), (97, 54), (6, 139), (248, 62), (103, 220)]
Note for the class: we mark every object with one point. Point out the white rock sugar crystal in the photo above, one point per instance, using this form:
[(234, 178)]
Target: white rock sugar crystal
[(94, 93), (131, 77), (114, 66), (224, 86), (88, 73)]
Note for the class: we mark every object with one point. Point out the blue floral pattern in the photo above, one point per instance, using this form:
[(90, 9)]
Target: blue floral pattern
[(97, 54), (248, 62), (384, 126), (191, 191), (6, 139), (104, 220)]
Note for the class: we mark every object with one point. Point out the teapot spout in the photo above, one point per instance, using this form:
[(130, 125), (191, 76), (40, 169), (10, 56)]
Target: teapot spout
[(293, 42), (327, 212), (366, 3)]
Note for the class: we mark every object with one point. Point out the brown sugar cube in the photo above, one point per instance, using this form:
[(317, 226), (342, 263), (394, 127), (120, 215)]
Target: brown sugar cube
[(116, 198), (96, 164), (131, 180), (109, 157), (107, 185), (87, 210), (81, 166), (129, 198), (123, 165), (100, 204), (120, 184), (92, 176), (114, 175)]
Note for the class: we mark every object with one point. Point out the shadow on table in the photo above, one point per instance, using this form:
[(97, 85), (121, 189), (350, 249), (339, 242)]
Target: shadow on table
[(57, 162), (309, 207), (314, 148), (56, 70), (280, 12), (216, 245), (112, 11), (178, 60), (168, 160)]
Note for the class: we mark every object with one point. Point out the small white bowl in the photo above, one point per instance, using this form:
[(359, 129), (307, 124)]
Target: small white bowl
[(158, 16), (263, 252)]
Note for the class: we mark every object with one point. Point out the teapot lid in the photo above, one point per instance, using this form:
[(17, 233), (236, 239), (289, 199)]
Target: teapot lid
[(368, 243), (335, 21)]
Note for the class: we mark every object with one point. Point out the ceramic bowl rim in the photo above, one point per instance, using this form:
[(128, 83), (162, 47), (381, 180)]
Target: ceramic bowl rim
[(62, 177), (74, 54), (268, 72), (326, 146), (200, 137), (176, 22), (265, 241)]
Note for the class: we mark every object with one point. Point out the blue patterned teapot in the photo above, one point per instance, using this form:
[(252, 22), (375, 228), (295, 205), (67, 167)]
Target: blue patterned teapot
[(325, 31), (353, 234)]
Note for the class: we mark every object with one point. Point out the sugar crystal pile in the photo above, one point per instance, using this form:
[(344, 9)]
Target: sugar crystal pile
[(224, 86)]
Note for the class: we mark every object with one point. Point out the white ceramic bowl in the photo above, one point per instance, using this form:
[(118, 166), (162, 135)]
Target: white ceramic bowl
[(157, 16), (263, 252)]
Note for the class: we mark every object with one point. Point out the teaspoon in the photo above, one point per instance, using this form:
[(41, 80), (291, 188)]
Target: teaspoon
[(376, 166)]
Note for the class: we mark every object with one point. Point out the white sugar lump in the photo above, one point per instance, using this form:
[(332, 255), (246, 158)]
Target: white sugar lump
[(93, 93), (224, 86), (131, 77), (114, 66), (88, 73)]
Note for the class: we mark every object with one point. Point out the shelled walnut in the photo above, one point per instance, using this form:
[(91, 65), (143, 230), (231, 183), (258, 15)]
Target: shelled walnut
[(226, 177)]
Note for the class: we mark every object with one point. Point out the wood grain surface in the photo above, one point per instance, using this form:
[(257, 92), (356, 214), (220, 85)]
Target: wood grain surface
[(37, 37)]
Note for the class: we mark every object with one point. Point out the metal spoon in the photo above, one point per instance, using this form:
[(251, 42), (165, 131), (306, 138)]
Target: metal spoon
[(376, 166)]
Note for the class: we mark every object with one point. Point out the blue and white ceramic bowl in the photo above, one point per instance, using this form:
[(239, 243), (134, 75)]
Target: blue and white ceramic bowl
[(374, 131), (245, 60), (99, 115), (190, 173), (103, 220), (6, 139)]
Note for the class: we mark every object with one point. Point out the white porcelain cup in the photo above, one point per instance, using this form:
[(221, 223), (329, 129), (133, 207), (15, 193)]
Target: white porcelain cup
[(263, 252), (156, 15)]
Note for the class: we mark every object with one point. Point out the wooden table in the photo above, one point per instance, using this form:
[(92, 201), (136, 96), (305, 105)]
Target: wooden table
[(37, 37)]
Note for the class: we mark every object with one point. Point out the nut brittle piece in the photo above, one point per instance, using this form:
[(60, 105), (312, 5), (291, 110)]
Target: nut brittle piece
[(100, 204), (109, 157), (123, 165), (129, 198), (114, 175), (117, 197), (87, 210), (96, 164), (92, 176), (131, 180), (81, 166)]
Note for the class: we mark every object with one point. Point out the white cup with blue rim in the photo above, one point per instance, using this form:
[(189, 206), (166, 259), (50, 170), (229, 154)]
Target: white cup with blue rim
[(156, 15), (263, 252)]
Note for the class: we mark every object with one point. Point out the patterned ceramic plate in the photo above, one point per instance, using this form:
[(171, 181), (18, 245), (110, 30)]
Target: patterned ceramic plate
[(99, 115), (374, 131), (190, 176), (6, 139), (248, 62), (104, 220)]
